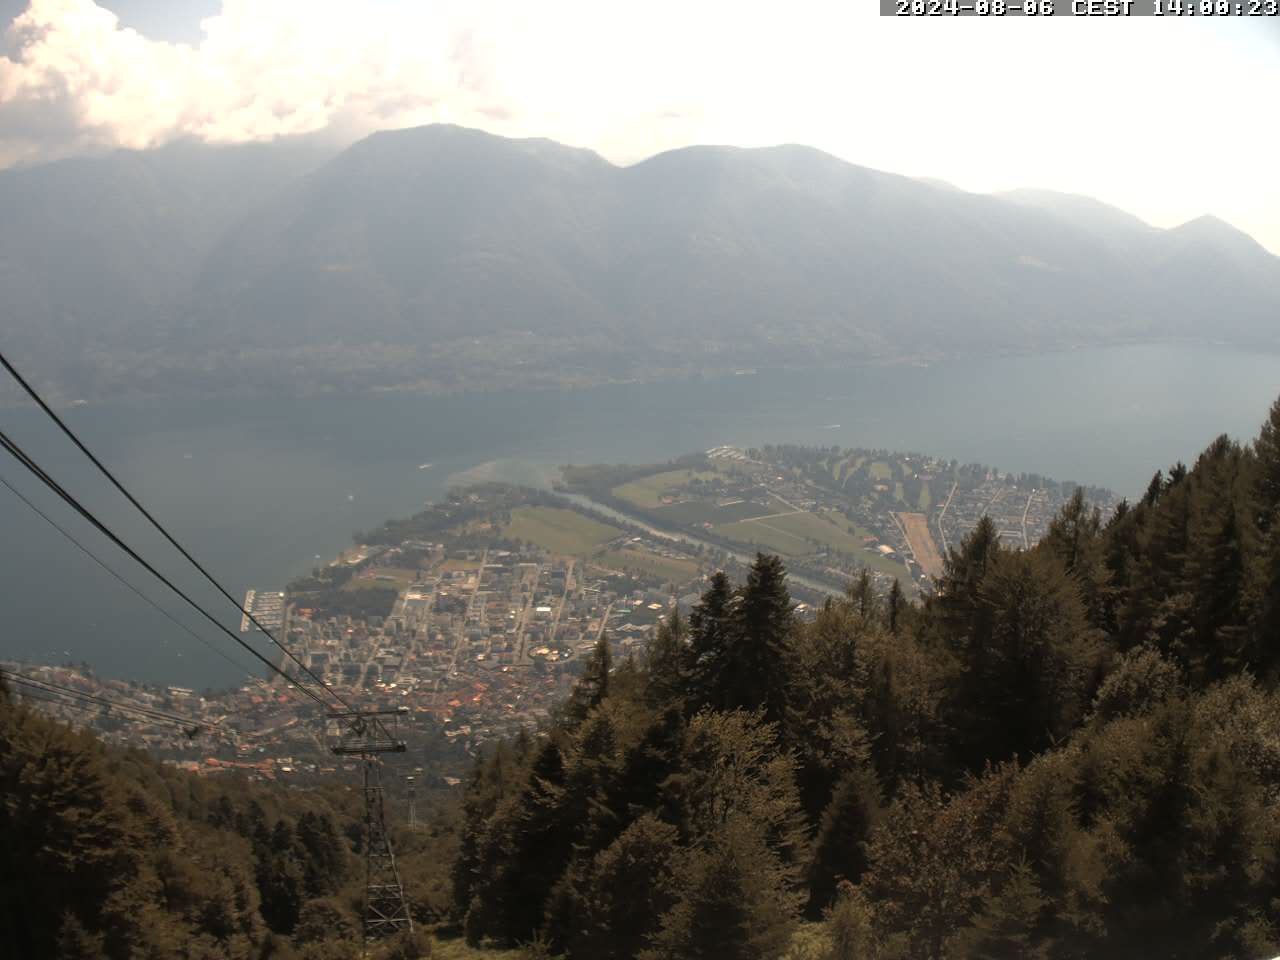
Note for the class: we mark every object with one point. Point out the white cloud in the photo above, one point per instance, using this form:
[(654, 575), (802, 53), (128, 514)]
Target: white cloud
[(263, 69)]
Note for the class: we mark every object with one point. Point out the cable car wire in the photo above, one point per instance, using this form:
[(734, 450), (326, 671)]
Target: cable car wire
[(57, 689), (105, 566), (31, 391), (21, 456)]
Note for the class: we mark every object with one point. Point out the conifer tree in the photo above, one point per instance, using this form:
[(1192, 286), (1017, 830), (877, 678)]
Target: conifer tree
[(893, 606), (862, 595), (710, 642), (1075, 538), (526, 847), (665, 662), (734, 900), (840, 848), (1031, 681), (609, 905), (962, 618), (593, 686), (1267, 450), (762, 623), (1006, 924)]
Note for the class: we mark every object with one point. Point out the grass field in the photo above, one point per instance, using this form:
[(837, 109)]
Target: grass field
[(880, 471), (760, 535), (708, 511), (397, 577), (648, 491), (794, 533), (820, 528), (925, 500), (649, 564), (560, 531)]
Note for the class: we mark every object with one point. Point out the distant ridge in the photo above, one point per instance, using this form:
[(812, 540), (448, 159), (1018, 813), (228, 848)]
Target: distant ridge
[(442, 257)]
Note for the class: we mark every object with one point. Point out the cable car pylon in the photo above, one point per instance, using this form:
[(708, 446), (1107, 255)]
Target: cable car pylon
[(365, 735)]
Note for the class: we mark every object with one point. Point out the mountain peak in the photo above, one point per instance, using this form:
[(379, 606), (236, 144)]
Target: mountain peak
[(1213, 229)]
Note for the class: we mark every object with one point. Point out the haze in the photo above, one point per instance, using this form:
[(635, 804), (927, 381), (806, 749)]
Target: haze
[(1168, 119)]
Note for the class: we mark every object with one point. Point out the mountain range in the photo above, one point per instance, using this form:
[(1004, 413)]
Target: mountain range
[(442, 258)]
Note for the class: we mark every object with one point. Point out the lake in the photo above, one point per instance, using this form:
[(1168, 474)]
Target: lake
[(262, 491)]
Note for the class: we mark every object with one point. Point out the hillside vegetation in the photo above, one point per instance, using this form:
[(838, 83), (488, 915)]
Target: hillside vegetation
[(107, 854), (1070, 752)]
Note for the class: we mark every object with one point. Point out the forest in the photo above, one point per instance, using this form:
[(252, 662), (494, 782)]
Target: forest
[(1070, 751)]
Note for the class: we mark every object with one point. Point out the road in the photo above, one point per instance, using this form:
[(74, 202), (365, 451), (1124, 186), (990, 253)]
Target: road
[(942, 531), (1026, 544), (555, 624)]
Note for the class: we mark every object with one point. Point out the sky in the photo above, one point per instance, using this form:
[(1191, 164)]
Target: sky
[(1168, 118)]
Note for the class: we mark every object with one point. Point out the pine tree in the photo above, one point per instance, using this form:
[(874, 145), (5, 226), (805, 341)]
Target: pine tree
[(1030, 682), (1006, 925), (840, 848), (862, 595), (734, 900), (608, 906), (526, 847), (665, 663), (961, 617), (710, 642), (593, 686), (1267, 450), (1075, 538), (894, 605), (762, 623)]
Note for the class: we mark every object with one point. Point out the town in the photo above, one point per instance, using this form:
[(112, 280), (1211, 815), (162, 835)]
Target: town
[(473, 617)]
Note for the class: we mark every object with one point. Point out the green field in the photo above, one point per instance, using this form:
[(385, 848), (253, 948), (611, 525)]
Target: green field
[(880, 471), (795, 534), (648, 491), (708, 511), (397, 577), (926, 498), (762, 535), (792, 535), (819, 527), (649, 564), (558, 530)]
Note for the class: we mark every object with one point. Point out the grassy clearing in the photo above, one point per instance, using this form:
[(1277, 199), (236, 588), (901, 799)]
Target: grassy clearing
[(649, 564), (880, 471), (890, 565), (925, 500), (899, 493), (827, 531), (708, 511), (560, 531), (648, 491), (398, 577), (762, 535), (455, 948)]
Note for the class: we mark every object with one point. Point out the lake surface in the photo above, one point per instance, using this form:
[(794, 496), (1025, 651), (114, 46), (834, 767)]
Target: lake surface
[(262, 491)]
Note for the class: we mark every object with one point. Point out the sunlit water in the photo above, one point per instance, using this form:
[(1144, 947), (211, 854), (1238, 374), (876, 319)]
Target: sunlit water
[(259, 489)]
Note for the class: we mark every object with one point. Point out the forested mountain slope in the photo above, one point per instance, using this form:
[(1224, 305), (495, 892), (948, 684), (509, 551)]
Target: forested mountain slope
[(107, 855), (1069, 752)]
